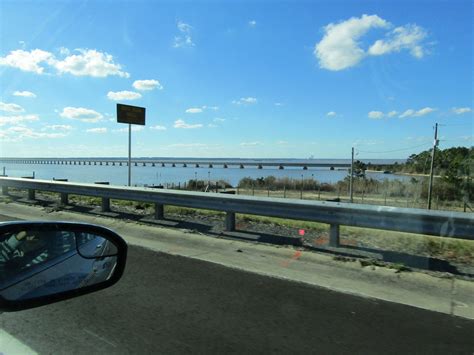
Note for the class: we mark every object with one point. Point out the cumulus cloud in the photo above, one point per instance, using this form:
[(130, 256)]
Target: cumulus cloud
[(194, 110), (219, 119), (392, 113), (90, 62), (123, 95), (212, 125), (413, 113), (81, 114), (10, 107), (331, 114), (407, 37), (340, 47), (146, 85), (16, 119), (84, 62), (376, 115), (24, 94), (181, 124), (184, 39), (461, 110), (28, 61), (97, 130), (245, 101), (252, 23), (158, 128)]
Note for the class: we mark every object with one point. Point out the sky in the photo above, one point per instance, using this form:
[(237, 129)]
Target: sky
[(247, 79)]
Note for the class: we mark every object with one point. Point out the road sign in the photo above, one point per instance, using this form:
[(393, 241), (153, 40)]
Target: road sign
[(130, 114)]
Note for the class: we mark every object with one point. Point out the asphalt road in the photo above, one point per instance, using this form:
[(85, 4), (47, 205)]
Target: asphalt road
[(170, 304)]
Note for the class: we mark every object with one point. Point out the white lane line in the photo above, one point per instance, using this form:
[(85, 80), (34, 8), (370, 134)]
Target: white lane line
[(100, 338)]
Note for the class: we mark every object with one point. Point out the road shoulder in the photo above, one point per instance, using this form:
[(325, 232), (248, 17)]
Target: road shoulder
[(446, 295)]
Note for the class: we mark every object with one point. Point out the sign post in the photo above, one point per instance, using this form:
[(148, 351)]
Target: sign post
[(131, 115)]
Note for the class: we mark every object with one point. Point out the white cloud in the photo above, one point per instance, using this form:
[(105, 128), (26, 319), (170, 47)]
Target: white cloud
[(407, 113), (339, 49), (123, 95), (146, 85), (10, 107), (376, 115), (245, 101), (24, 94), (282, 142), (424, 111), (212, 125), (90, 62), (99, 130), (461, 110), (16, 119), (252, 23), (135, 128), (250, 144), (190, 145), (331, 114), (214, 108), (18, 133), (87, 62), (278, 104), (392, 113), (158, 128), (57, 127), (28, 61), (218, 119), (405, 37), (184, 39), (181, 124), (81, 114), (194, 110), (413, 113)]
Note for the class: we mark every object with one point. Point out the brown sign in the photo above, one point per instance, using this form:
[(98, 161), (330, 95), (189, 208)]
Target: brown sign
[(130, 114)]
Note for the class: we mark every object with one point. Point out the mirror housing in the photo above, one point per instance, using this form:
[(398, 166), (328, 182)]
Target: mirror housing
[(47, 262)]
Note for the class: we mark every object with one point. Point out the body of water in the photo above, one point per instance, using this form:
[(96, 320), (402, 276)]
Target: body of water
[(149, 175)]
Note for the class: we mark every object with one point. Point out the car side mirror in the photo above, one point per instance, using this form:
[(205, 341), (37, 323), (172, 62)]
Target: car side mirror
[(47, 262)]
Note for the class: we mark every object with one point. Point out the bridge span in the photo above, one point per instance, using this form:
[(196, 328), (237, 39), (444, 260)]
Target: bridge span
[(260, 164)]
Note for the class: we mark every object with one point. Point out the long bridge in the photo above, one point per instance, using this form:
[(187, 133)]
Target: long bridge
[(177, 163)]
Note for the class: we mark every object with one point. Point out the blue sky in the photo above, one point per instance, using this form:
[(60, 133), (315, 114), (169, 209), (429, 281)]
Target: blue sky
[(242, 79)]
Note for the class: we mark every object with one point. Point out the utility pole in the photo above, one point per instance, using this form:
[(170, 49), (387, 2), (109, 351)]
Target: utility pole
[(435, 144), (352, 176)]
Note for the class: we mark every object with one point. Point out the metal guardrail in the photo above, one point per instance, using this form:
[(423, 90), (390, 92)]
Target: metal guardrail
[(435, 223)]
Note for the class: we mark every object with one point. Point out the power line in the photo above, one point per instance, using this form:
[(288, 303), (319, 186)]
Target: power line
[(395, 150)]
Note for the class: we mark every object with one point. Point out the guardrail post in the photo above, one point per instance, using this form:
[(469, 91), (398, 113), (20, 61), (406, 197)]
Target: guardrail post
[(334, 235), (105, 205), (230, 221), (159, 211), (64, 198)]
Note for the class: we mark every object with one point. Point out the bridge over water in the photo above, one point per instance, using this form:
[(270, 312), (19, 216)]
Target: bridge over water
[(260, 164)]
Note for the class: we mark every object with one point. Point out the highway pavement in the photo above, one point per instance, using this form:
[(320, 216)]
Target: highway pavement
[(173, 304)]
